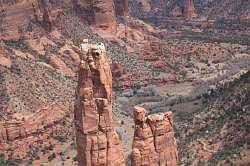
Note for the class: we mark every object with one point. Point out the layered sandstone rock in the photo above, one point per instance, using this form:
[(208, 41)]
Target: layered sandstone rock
[(154, 143), (102, 12), (16, 17), (144, 5), (18, 126), (189, 9), (97, 142), (121, 7)]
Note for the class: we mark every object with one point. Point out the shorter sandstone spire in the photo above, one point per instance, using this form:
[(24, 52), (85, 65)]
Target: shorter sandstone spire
[(154, 143)]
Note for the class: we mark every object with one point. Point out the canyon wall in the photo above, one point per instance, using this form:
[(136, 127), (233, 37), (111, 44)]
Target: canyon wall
[(144, 5), (104, 13), (121, 7), (19, 18), (100, 13), (188, 9), (20, 131), (97, 142), (18, 126), (22, 17), (154, 143)]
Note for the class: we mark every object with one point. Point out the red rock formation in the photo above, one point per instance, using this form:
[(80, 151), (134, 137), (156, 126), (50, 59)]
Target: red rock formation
[(145, 5), (97, 142), (154, 143), (121, 7), (13, 128), (189, 9), (16, 17), (104, 13), (46, 14)]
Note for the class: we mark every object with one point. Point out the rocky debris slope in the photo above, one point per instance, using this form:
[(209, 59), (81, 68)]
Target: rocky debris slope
[(29, 86), (216, 9), (154, 142), (35, 104), (97, 142), (20, 130), (139, 71), (18, 126), (218, 133)]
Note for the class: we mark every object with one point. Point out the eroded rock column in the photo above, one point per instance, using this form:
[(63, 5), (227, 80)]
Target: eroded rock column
[(189, 9), (154, 143), (104, 13), (97, 142), (121, 7)]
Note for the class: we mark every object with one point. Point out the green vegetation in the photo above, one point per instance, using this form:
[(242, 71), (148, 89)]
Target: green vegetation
[(231, 104), (212, 37), (10, 162), (60, 138), (1, 160)]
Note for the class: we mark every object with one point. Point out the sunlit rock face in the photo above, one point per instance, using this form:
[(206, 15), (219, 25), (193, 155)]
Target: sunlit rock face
[(101, 13), (154, 143), (121, 7), (21, 17), (97, 142), (189, 9)]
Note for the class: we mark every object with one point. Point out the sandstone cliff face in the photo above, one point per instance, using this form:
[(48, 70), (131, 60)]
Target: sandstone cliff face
[(97, 142), (121, 7), (16, 17), (100, 12), (20, 131), (144, 5), (154, 143), (13, 128), (104, 13), (188, 9)]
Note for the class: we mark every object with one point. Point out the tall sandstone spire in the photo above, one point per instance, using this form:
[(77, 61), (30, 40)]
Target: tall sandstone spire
[(97, 142), (154, 143)]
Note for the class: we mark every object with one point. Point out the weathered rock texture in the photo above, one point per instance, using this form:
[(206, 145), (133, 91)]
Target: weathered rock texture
[(12, 128), (104, 13), (189, 9), (154, 143), (97, 142), (100, 12), (20, 131), (16, 17), (144, 5), (121, 7)]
